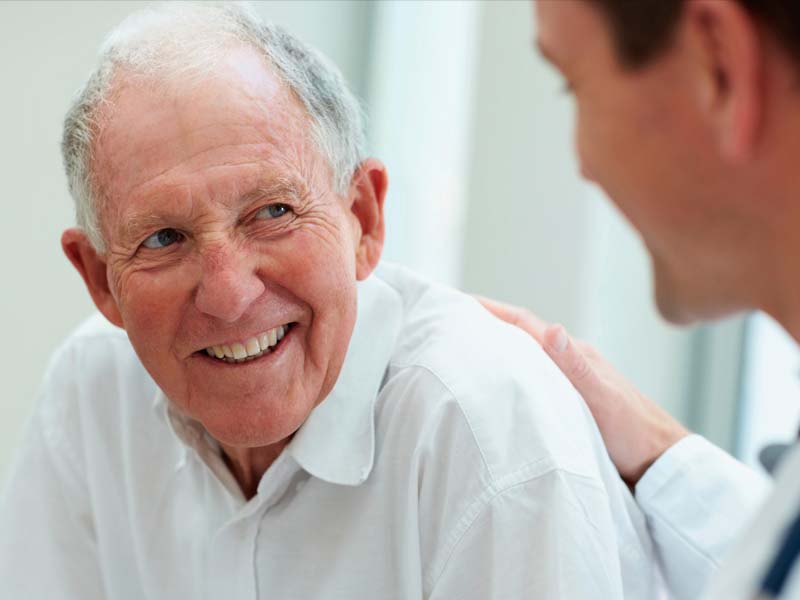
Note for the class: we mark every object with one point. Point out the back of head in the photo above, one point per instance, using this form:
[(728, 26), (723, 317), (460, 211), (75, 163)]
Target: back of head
[(182, 41)]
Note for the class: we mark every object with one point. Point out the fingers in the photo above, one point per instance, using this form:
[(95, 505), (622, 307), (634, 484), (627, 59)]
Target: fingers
[(635, 430), (514, 315), (569, 358)]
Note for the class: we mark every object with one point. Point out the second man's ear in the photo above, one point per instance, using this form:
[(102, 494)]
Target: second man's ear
[(92, 268), (734, 57), (367, 194)]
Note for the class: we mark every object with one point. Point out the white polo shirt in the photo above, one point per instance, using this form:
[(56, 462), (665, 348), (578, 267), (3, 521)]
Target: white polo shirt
[(452, 460)]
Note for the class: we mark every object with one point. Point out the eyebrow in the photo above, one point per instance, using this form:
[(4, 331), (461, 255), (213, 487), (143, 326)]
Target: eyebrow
[(287, 189), (282, 188)]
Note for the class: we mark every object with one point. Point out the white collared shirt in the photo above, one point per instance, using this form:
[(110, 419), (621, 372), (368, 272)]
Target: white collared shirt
[(705, 509), (744, 569), (452, 460), (698, 500)]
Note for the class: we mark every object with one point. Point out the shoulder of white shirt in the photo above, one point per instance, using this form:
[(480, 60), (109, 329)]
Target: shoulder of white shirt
[(521, 411)]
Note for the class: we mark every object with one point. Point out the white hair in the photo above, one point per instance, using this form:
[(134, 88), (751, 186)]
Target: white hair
[(178, 38)]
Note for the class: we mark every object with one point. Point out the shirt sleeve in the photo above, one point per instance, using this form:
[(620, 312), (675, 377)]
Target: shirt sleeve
[(47, 543), (697, 498), (547, 538)]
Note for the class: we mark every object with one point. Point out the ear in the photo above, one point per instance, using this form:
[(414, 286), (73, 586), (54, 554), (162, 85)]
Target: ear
[(92, 267), (367, 193), (733, 62)]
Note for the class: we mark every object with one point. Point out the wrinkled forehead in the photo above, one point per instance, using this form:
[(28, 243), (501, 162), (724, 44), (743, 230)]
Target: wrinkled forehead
[(157, 130)]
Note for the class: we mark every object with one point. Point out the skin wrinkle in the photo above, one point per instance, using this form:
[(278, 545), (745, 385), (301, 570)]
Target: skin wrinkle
[(200, 154), (290, 128), (233, 275), (135, 197), (166, 172), (135, 228)]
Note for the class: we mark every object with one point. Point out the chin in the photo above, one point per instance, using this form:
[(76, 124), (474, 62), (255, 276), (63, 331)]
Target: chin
[(256, 426), (673, 311), (672, 302), (682, 302)]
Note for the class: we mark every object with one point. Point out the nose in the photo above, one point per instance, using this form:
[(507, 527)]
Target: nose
[(229, 284)]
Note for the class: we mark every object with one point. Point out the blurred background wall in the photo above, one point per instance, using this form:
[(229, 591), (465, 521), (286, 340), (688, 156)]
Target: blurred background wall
[(484, 195)]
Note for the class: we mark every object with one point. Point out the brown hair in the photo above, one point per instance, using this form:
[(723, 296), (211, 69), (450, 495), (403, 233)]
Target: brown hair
[(641, 29)]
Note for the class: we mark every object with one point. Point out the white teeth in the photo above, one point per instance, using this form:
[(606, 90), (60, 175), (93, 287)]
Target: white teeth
[(249, 349), (252, 347)]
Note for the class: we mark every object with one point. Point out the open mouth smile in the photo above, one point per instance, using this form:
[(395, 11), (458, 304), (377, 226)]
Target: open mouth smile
[(251, 348)]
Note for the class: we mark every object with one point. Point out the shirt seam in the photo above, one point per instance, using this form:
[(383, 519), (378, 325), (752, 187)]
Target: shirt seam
[(656, 515), (454, 397), (658, 476), (47, 429), (483, 502), (497, 486), (69, 453), (662, 477)]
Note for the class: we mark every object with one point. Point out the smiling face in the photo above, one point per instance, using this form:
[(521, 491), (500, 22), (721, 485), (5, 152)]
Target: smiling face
[(223, 233), (653, 138)]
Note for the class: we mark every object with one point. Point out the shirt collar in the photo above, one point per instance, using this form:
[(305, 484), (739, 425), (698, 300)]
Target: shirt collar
[(337, 441)]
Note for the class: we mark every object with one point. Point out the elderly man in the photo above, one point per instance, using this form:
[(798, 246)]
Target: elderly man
[(270, 418)]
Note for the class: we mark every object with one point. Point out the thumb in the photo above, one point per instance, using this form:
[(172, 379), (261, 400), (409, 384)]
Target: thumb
[(569, 359)]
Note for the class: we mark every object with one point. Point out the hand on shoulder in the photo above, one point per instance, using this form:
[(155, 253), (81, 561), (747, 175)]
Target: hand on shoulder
[(635, 429)]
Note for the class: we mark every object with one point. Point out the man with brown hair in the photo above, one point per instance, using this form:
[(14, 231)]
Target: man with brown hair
[(688, 116)]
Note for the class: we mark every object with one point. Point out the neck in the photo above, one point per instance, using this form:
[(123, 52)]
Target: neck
[(780, 265), (248, 465), (780, 294), (777, 277)]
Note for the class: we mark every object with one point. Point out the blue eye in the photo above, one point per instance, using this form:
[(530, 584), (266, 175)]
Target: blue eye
[(163, 238), (273, 211)]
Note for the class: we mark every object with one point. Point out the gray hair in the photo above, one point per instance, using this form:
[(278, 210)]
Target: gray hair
[(188, 38)]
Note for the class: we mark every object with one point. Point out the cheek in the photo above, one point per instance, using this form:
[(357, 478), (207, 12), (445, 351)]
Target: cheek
[(613, 143), (321, 274), (151, 305), (325, 250), (597, 138)]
